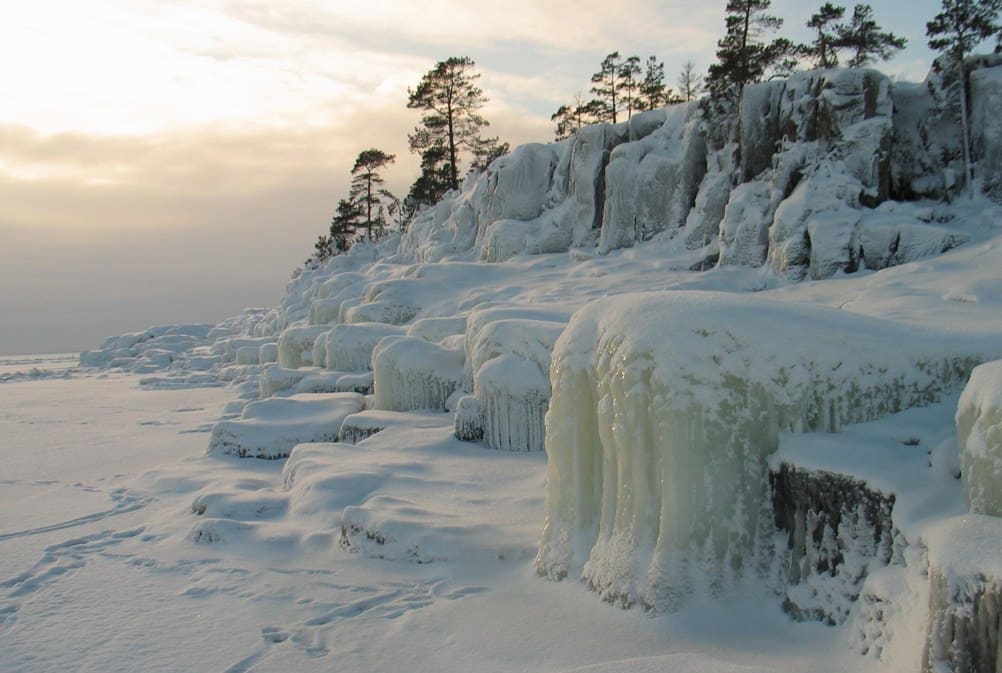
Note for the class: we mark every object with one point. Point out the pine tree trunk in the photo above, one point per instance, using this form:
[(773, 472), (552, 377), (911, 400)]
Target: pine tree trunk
[(368, 205)]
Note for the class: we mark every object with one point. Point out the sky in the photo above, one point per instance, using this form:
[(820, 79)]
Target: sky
[(172, 161)]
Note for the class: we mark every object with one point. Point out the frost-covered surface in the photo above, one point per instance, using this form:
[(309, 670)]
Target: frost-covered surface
[(270, 428), (979, 435)]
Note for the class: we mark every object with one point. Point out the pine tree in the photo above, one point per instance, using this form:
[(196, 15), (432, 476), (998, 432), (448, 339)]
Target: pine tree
[(486, 150), (630, 86), (366, 187), (690, 85), (824, 49), (742, 56), (653, 92), (322, 250), (344, 226), (865, 39), (607, 89), (960, 27), (451, 124), (571, 118), (432, 183)]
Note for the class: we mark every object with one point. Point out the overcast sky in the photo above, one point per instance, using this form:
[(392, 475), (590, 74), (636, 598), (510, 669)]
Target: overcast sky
[(171, 161)]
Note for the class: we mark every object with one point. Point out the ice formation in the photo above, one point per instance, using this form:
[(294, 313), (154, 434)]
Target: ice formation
[(664, 408), (979, 435), (965, 596), (348, 348), (270, 428), (295, 345), (411, 373)]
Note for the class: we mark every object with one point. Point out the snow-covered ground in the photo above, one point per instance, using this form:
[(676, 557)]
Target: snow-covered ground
[(104, 565)]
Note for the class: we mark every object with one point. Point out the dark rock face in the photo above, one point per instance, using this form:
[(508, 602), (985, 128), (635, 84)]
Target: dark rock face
[(836, 528)]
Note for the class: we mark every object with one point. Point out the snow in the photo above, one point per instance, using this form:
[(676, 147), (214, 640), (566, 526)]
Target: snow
[(270, 428), (979, 435)]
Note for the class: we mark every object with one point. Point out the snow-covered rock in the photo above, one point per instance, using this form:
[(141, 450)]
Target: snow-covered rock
[(270, 428), (979, 436)]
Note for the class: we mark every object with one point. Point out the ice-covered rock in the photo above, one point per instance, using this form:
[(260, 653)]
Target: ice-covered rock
[(651, 184), (270, 428), (836, 527), (513, 396), (591, 149), (744, 229), (268, 353), (509, 362), (410, 373), (986, 128), (295, 345), (965, 596), (436, 329), (665, 407), (468, 421), (274, 379), (349, 347), (896, 234), (815, 231), (979, 436)]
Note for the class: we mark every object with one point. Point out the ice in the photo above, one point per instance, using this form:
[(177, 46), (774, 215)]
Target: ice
[(965, 594), (268, 353), (651, 184), (986, 127), (270, 428), (509, 361), (410, 373), (979, 436), (275, 379), (349, 347), (665, 407), (436, 329), (295, 345), (814, 232), (513, 395), (744, 230)]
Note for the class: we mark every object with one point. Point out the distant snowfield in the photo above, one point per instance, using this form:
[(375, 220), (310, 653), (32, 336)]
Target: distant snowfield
[(104, 565)]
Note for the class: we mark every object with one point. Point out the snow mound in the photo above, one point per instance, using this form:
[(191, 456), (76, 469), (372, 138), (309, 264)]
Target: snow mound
[(270, 428), (665, 407), (979, 436)]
